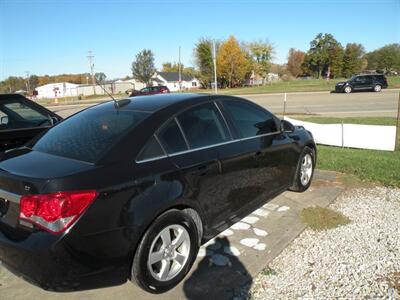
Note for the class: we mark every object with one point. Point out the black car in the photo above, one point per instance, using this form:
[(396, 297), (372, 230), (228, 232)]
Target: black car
[(21, 120), (367, 82), (129, 190), (151, 90)]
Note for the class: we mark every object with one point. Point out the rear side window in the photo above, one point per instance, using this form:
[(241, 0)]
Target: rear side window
[(89, 134), (171, 138), (152, 149), (203, 126), (250, 120)]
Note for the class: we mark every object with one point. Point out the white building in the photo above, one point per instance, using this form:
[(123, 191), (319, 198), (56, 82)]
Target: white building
[(56, 90), (171, 80)]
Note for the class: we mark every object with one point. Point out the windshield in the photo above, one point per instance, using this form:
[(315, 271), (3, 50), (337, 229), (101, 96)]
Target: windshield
[(87, 135)]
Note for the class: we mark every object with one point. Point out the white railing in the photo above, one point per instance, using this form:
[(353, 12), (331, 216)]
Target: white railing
[(375, 137)]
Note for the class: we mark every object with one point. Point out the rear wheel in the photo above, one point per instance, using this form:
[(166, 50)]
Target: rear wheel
[(304, 171), (166, 252), (348, 89), (377, 88)]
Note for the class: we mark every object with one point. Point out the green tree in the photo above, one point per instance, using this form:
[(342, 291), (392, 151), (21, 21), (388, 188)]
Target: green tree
[(204, 61), (322, 55), (34, 81), (232, 63), (385, 59), (261, 54), (143, 66), (100, 77), (336, 55), (353, 60), (295, 61)]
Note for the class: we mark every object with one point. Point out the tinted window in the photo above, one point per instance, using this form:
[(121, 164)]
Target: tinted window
[(87, 135), (171, 138), (152, 149), (250, 120), (20, 115), (203, 126)]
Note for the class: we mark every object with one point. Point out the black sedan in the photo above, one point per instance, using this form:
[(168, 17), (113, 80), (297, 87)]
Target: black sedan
[(21, 120), (129, 189)]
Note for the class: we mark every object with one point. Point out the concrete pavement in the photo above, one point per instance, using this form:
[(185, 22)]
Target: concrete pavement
[(321, 103), (226, 263)]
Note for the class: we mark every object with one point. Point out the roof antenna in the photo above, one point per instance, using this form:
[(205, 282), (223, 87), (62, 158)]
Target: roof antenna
[(116, 104)]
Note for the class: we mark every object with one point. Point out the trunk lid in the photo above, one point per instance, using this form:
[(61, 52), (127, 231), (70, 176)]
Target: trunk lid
[(23, 172)]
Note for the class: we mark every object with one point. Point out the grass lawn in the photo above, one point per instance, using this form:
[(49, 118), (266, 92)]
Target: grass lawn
[(349, 120), (320, 218), (369, 165), (309, 85)]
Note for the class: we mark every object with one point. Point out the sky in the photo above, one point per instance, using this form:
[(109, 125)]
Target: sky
[(54, 36)]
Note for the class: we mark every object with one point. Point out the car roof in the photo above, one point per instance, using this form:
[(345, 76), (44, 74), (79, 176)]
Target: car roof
[(156, 102), (11, 96)]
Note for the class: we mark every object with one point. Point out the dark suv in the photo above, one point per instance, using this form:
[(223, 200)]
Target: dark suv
[(373, 82), (151, 90)]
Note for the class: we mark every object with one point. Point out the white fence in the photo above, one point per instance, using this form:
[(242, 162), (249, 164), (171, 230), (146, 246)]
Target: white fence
[(375, 137)]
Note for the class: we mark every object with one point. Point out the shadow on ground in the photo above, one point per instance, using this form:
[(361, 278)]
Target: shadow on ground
[(218, 276)]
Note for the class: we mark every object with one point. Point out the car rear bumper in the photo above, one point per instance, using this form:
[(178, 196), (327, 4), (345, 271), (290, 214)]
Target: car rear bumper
[(49, 262)]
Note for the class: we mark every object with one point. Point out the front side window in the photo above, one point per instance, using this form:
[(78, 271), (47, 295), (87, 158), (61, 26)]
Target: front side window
[(250, 120), (171, 138), (203, 126)]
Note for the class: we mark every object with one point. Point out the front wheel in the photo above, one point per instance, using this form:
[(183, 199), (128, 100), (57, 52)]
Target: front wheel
[(377, 88), (348, 89), (166, 252), (304, 171)]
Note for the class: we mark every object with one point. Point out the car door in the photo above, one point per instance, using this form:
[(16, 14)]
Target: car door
[(260, 162), (202, 129), (20, 121)]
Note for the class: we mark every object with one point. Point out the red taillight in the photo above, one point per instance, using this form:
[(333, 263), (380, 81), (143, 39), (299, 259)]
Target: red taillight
[(55, 212)]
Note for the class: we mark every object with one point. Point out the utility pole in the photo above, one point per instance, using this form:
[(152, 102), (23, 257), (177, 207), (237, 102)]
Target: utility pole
[(215, 68), (180, 70), (28, 83), (90, 57)]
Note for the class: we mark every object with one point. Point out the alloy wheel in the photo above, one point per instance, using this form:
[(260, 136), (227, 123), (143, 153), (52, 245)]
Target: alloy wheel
[(169, 252), (306, 169)]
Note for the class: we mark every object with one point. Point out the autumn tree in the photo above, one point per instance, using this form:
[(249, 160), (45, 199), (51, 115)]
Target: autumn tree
[(295, 60), (232, 63), (170, 67), (143, 66), (261, 55), (204, 61), (353, 60)]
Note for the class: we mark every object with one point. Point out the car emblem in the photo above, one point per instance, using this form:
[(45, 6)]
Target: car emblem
[(4, 204)]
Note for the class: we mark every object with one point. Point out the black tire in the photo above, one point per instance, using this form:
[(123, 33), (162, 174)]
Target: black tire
[(140, 272), (377, 88), (348, 89), (298, 185)]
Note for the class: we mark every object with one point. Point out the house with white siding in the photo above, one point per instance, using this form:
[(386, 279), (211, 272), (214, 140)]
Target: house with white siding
[(171, 80), (57, 90)]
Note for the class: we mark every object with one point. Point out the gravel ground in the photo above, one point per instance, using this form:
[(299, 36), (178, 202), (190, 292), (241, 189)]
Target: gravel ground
[(356, 261)]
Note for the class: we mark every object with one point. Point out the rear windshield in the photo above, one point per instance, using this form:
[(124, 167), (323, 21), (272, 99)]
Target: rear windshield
[(87, 135)]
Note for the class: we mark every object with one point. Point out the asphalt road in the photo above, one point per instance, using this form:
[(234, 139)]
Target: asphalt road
[(321, 103)]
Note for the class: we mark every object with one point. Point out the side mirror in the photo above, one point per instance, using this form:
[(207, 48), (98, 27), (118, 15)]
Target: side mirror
[(286, 126), (4, 120)]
